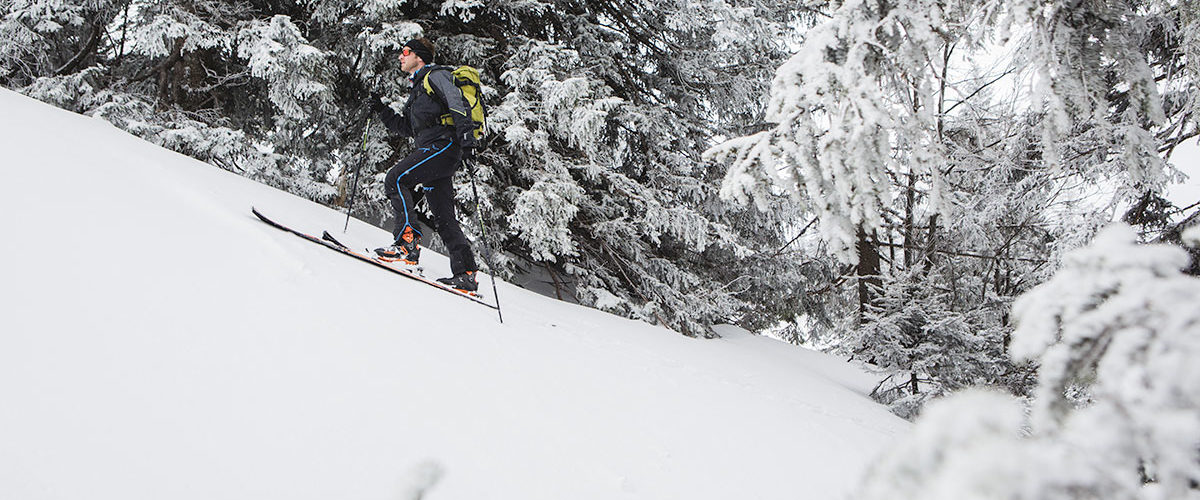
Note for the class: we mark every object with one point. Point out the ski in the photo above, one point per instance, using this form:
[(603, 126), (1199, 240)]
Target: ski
[(340, 248)]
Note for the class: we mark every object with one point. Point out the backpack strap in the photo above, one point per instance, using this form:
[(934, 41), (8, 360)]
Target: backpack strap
[(445, 119), (429, 86)]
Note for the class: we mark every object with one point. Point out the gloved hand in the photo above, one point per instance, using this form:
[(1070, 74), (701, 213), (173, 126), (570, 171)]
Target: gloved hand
[(376, 102), (468, 152)]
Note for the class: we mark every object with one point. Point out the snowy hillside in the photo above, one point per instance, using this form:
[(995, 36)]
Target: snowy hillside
[(159, 342)]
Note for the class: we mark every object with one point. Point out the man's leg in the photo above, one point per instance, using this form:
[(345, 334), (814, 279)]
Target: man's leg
[(397, 187), (440, 193)]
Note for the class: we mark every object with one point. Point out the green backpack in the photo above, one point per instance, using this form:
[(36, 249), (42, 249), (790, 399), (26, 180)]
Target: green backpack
[(467, 80)]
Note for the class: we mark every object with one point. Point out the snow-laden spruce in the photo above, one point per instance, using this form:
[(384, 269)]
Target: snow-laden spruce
[(1119, 321), (604, 183), (954, 151), (297, 74), (840, 107)]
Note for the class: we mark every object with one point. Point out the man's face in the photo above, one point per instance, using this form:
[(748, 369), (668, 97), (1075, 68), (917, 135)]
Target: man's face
[(409, 62)]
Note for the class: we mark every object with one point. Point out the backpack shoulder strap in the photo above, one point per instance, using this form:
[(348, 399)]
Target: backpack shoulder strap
[(425, 81)]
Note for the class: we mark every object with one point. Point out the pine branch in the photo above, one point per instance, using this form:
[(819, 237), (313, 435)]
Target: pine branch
[(802, 231), (978, 90), (632, 285), (88, 49), (176, 56)]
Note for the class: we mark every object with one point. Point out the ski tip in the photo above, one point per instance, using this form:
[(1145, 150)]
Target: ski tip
[(260, 215), (329, 237)]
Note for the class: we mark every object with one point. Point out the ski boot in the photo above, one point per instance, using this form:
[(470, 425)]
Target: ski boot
[(406, 249), (462, 281)]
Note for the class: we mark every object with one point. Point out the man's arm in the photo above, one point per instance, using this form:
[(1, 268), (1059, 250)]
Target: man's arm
[(457, 105), (395, 122)]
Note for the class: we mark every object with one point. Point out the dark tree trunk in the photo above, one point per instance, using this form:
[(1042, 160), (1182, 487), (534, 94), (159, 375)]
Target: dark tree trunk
[(869, 281), (84, 53)]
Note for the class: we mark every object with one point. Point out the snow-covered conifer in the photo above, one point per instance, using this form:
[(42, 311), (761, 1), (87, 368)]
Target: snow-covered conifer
[(856, 90), (1093, 74), (952, 187), (45, 38), (297, 73), (1118, 319), (300, 86)]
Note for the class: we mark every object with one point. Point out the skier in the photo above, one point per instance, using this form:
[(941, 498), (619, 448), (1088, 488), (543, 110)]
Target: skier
[(439, 152)]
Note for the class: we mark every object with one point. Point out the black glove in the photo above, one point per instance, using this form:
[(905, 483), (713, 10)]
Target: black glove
[(376, 101), (468, 152)]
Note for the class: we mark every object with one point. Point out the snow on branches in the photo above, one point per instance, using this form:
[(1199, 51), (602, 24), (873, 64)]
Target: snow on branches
[(843, 107), (1120, 320), (1093, 79), (543, 212), (178, 30), (297, 73), (35, 34)]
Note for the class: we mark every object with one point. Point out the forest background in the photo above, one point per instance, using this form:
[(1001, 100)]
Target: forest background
[(882, 179)]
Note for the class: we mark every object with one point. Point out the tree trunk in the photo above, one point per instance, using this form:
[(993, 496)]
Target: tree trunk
[(88, 49), (910, 204), (869, 281), (557, 284), (166, 74), (930, 244)]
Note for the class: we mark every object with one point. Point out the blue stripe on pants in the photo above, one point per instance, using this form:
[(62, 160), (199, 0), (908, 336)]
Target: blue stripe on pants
[(407, 223)]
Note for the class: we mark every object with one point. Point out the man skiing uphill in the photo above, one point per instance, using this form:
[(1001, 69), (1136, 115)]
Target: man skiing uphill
[(439, 151)]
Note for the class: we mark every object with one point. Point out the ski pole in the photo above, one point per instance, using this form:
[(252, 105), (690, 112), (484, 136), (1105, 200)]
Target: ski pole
[(487, 254), (354, 186)]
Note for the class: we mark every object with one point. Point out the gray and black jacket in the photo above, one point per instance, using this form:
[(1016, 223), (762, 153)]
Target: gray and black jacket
[(421, 118)]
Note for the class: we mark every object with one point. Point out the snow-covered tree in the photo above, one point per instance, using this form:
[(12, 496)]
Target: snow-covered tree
[(44, 38), (1117, 323), (848, 108), (299, 81), (593, 172), (944, 185), (1096, 68)]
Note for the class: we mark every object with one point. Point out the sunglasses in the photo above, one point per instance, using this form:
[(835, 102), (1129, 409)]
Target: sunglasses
[(406, 51)]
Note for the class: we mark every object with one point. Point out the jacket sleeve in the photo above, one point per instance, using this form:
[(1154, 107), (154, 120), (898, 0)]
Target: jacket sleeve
[(395, 122), (456, 105)]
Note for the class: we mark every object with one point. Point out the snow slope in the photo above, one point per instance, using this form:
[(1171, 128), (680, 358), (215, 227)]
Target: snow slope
[(159, 342)]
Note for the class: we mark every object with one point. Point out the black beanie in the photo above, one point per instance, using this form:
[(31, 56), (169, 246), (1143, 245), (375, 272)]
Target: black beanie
[(421, 50)]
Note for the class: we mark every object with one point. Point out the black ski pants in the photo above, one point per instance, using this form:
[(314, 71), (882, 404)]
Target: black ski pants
[(432, 168)]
